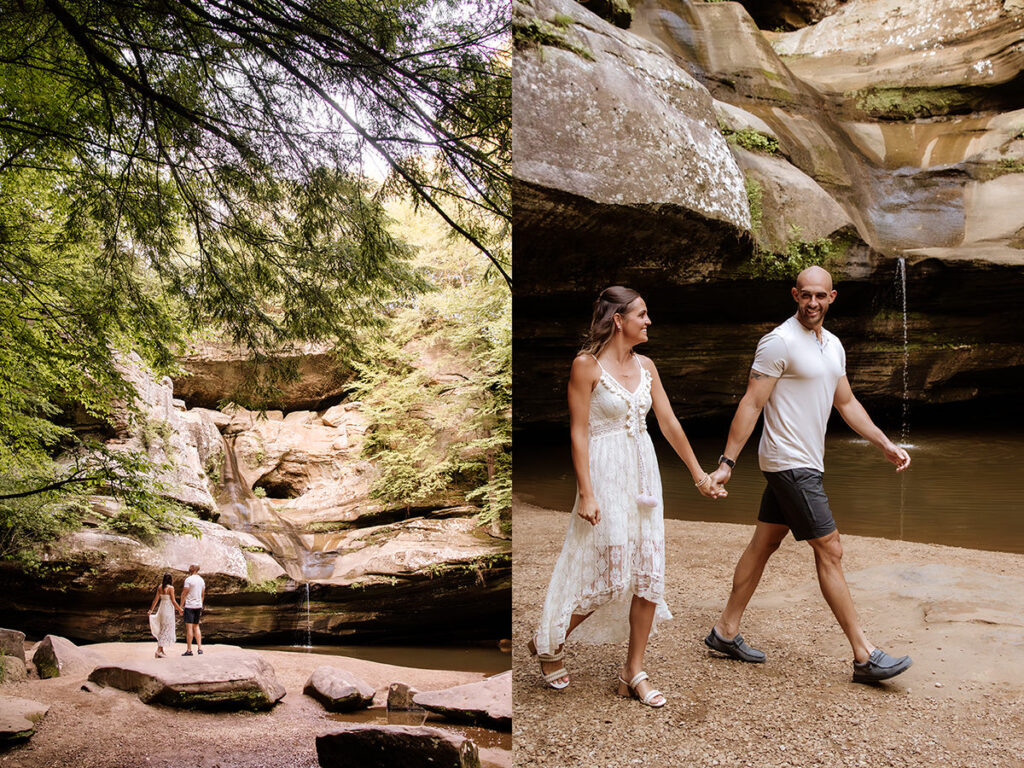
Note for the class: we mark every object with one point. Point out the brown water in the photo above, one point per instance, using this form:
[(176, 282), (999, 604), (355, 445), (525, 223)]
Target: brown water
[(487, 661), (484, 738), (964, 488)]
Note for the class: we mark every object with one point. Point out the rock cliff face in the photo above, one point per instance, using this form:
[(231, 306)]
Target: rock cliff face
[(291, 544), (874, 132)]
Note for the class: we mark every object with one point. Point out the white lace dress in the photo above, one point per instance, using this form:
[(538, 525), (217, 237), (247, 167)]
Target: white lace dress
[(165, 612), (602, 566)]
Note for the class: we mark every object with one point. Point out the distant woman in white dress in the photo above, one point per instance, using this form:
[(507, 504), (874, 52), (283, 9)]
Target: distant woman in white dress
[(611, 571), (165, 613)]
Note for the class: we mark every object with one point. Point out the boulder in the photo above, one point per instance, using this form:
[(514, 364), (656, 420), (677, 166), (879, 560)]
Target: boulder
[(232, 680), (12, 643), (218, 371), (19, 718), (12, 669), (910, 58), (57, 656), (371, 746), (338, 690), (400, 697), (609, 129), (487, 703), (794, 208)]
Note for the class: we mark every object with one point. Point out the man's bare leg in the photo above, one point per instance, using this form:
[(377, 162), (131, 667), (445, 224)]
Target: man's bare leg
[(188, 638), (766, 539), (828, 555)]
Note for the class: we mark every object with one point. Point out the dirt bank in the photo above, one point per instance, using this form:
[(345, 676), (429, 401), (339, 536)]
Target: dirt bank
[(959, 613), (113, 729)]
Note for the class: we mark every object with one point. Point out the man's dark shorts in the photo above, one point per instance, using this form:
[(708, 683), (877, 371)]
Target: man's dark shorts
[(796, 498), (192, 615)]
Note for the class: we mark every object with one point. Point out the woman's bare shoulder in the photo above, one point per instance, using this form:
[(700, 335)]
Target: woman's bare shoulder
[(584, 363), (647, 363)]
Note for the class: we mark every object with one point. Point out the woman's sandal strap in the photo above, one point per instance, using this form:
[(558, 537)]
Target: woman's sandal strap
[(638, 678), (651, 696), (558, 674)]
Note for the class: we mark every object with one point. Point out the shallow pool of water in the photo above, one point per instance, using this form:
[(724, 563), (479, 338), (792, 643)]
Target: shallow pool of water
[(964, 488), (484, 738)]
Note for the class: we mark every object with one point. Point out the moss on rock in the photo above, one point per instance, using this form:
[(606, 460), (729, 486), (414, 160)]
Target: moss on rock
[(908, 103), (537, 32)]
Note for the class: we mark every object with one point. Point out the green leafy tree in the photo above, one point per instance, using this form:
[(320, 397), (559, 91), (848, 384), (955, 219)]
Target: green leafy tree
[(437, 385), (167, 167)]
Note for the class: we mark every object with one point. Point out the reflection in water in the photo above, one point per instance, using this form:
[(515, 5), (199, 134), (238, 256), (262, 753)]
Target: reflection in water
[(487, 661), (962, 489), (482, 737)]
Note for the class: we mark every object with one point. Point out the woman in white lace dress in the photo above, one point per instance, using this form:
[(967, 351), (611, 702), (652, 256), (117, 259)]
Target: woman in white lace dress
[(165, 613), (611, 571)]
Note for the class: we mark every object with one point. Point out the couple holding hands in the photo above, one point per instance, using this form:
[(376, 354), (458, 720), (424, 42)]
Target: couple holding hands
[(608, 582)]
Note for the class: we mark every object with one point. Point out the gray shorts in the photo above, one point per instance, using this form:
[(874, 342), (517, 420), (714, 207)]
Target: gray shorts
[(192, 615), (796, 498)]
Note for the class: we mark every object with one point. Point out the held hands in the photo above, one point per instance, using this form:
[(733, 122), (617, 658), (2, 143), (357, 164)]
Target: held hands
[(712, 487), (897, 456), (588, 510)]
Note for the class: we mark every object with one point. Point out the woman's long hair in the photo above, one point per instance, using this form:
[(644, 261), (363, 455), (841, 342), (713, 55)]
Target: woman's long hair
[(613, 300), (168, 580)]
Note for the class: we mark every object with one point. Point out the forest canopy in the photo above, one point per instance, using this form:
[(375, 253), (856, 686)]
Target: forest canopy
[(176, 165)]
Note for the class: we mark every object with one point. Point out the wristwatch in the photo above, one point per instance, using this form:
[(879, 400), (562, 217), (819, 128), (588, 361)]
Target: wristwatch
[(723, 459)]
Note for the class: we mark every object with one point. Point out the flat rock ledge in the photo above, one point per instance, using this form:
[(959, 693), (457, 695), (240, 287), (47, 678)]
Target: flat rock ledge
[(487, 703), (410, 746), (338, 690), (18, 718), (228, 681)]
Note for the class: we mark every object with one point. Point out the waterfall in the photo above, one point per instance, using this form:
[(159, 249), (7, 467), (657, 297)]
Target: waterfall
[(901, 279), (309, 625)]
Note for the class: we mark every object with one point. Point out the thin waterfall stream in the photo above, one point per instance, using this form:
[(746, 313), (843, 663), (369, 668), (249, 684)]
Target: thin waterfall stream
[(901, 280)]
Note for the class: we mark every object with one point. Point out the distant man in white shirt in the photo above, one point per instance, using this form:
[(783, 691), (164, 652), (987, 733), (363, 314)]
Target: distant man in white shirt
[(798, 374), (192, 596)]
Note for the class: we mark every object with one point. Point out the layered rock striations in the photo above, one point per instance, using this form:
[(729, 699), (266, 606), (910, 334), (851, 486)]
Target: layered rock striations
[(882, 130), (291, 543)]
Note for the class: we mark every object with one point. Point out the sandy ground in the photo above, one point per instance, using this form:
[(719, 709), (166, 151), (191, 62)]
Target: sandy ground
[(113, 729), (959, 613)]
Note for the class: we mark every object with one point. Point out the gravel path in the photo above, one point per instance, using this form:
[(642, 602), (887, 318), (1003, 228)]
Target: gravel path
[(114, 729), (959, 613)]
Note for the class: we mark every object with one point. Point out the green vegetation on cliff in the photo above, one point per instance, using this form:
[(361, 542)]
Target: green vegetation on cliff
[(752, 140), (437, 387), (796, 256), (178, 167)]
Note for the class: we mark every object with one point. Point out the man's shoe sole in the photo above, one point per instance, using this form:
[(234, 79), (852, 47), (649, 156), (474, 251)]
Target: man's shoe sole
[(712, 642), (890, 672)]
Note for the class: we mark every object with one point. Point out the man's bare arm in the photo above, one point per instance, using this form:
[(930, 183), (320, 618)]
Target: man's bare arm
[(853, 413), (759, 388)]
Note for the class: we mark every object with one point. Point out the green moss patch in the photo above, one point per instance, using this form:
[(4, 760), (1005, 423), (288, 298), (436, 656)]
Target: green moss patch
[(909, 103), (537, 32), (752, 140), (1004, 167)]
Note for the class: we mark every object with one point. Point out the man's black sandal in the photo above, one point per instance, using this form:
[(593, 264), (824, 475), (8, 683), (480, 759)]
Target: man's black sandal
[(737, 648)]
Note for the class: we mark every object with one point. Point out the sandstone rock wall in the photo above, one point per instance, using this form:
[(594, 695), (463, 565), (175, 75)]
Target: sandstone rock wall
[(862, 172)]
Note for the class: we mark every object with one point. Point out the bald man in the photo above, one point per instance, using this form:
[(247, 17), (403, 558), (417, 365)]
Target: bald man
[(798, 374)]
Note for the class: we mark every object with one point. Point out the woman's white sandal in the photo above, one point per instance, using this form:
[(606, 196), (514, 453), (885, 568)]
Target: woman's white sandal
[(629, 689), (551, 678)]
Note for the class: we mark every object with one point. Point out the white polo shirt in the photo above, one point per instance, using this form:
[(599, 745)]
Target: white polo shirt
[(194, 598), (796, 414)]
